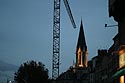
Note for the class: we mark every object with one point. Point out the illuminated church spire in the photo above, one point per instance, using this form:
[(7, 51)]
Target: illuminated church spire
[(81, 50)]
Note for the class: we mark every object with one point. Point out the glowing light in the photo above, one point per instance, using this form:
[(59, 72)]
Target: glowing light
[(81, 65), (122, 79), (121, 52), (121, 58), (80, 58)]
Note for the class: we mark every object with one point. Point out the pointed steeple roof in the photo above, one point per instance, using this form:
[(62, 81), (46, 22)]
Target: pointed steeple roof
[(81, 39)]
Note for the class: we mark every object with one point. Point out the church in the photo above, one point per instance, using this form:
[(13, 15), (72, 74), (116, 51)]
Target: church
[(78, 72)]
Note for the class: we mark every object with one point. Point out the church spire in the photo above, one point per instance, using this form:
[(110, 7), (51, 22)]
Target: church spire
[(81, 50), (81, 40)]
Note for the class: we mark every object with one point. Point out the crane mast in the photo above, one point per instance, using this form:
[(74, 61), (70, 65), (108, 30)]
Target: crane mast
[(56, 40), (56, 36)]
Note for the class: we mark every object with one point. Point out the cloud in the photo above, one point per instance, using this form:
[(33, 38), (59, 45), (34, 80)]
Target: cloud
[(7, 71), (7, 67), (6, 75)]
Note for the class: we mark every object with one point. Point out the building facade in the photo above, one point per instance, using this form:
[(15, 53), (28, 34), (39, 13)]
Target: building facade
[(108, 65), (116, 10)]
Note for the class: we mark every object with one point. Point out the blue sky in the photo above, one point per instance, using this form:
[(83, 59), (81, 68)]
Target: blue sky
[(26, 30)]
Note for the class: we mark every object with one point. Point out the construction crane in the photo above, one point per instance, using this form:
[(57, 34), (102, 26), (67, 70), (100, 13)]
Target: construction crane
[(56, 35)]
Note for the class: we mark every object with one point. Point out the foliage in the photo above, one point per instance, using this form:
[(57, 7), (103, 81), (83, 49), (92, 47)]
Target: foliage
[(31, 72)]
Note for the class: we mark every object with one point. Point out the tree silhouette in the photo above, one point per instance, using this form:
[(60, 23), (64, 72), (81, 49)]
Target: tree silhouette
[(32, 72)]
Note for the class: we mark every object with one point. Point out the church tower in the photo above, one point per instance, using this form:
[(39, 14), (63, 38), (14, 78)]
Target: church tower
[(81, 49)]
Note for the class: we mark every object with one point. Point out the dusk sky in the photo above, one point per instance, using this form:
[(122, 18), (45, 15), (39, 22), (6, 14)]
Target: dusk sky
[(26, 28)]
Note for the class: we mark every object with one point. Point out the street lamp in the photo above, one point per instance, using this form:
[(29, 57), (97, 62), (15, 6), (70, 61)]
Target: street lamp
[(11, 81)]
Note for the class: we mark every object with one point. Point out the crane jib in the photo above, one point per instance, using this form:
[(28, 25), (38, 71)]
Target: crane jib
[(69, 13)]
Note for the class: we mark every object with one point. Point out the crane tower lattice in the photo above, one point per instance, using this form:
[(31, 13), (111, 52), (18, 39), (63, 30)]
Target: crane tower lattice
[(56, 35)]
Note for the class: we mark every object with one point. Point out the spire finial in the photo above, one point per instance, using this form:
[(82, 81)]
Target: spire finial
[(81, 23)]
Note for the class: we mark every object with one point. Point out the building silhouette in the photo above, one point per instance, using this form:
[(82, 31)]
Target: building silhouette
[(81, 49), (116, 10), (78, 72)]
